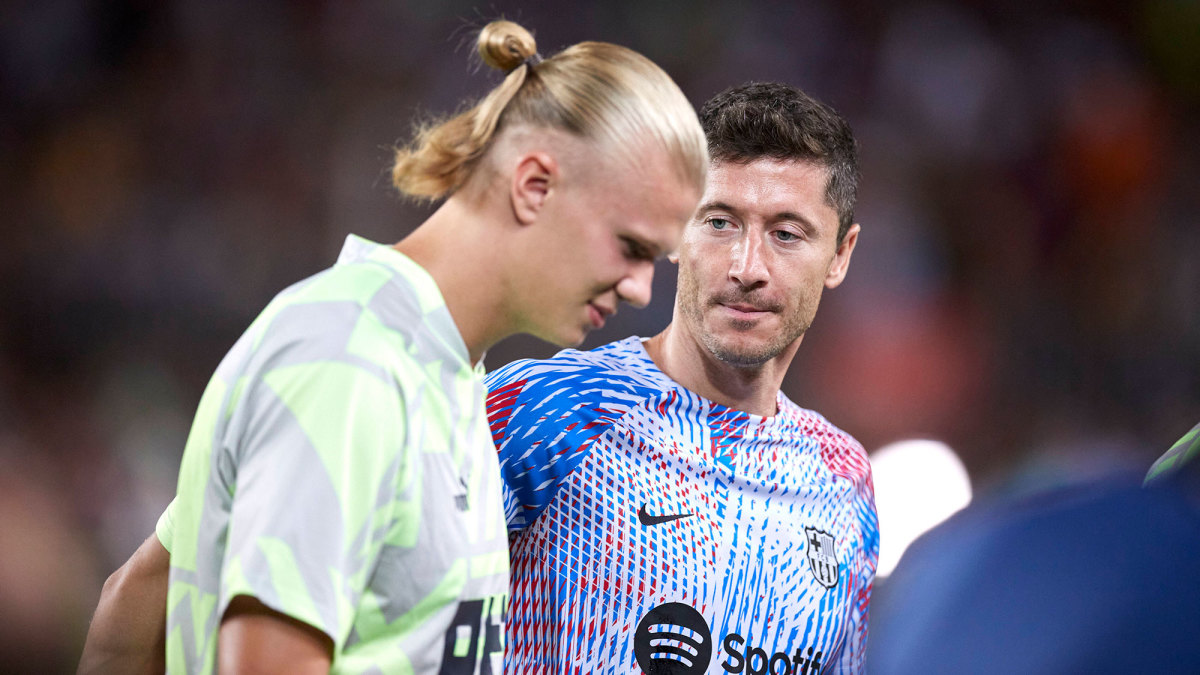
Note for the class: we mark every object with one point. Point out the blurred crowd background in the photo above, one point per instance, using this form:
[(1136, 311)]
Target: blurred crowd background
[(1026, 288)]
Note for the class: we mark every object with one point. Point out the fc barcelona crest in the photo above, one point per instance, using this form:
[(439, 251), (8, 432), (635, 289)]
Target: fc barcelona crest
[(822, 557)]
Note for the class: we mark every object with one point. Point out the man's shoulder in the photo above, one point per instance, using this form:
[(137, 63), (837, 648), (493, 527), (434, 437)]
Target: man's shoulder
[(840, 451), (611, 374), (813, 423), (615, 360), (545, 415), (571, 392)]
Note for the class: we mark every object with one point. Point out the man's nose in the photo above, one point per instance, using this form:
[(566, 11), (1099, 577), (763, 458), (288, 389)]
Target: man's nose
[(635, 287), (748, 265)]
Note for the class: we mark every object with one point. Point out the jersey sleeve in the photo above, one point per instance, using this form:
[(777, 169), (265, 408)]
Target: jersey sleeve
[(867, 563), (544, 416), (1185, 450), (319, 451), (864, 562), (164, 529)]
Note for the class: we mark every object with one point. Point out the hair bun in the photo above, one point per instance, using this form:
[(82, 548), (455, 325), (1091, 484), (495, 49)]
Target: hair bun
[(505, 45)]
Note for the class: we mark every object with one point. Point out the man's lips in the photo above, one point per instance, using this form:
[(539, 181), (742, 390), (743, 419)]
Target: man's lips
[(742, 307), (597, 314), (745, 310)]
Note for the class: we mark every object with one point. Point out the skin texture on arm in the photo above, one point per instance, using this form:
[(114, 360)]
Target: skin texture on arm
[(128, 631), (256, 639)]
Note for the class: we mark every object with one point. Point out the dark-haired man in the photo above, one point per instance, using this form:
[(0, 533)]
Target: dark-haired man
[(670, 508)]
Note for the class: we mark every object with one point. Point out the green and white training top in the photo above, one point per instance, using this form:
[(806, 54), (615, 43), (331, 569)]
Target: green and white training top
[(341, 471)]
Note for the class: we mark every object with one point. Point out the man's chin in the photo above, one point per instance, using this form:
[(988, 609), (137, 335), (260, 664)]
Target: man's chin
[(741, 354), (563, 337), (573, 340)]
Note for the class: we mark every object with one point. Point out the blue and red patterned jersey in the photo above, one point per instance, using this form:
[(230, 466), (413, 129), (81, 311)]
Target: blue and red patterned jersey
[(654, 528)]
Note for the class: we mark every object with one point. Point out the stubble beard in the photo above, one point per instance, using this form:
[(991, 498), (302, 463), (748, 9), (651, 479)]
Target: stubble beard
[(748, 355), (738, 353)]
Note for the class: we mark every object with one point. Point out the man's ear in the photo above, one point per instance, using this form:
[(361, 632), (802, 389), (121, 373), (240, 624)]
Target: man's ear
[(841, 260), (535, 175)]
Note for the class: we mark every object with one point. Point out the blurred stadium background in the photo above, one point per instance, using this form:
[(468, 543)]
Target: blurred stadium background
[(1026, 288)]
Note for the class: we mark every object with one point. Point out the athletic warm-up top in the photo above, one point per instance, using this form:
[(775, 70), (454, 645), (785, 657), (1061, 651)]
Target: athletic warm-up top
[(339, 470), (656, 531)]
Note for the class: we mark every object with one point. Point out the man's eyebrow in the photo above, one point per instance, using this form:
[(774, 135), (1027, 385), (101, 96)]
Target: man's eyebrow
[(715, 206), (808, 226), (644, 247)]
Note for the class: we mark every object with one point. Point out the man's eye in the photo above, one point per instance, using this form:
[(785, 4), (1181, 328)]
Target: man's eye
[(718, 223), (786, 235), (636, 251)]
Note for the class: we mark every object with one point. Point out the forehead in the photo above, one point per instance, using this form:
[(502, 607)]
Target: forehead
[(646, 199), (771, 186)]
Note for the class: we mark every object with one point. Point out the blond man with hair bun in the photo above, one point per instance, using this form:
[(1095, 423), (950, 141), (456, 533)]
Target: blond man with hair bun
[(339, 500)]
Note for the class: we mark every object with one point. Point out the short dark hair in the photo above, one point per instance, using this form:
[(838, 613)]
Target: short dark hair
[(778, 121)]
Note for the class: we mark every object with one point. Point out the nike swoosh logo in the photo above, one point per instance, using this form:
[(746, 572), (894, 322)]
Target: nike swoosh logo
[(648, 520)]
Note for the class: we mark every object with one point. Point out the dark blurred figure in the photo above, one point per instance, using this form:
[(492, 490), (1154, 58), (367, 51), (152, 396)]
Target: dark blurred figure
[(1093, 578)]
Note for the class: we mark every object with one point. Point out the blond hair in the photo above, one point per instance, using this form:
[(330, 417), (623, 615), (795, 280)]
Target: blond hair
[(602, 92)]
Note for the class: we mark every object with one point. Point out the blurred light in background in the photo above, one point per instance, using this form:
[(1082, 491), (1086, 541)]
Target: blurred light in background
[(918, 484)]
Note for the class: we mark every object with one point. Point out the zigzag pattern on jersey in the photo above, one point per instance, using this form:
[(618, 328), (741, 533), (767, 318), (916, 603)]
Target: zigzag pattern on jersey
[(573, 393), (851, 463), (587, 437)]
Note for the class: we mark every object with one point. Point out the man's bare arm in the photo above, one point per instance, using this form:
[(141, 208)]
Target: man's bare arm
[(256, 639), (128, 632)]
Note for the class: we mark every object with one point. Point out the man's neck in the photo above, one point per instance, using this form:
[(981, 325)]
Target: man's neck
[(752, 389), (457, 250)]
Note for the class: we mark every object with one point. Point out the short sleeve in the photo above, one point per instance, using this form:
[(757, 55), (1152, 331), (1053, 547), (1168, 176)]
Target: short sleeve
[(545, 417), (846, 458), (864, 563), (1185, 450), (319, 449), (164, 529), (542, 427)]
